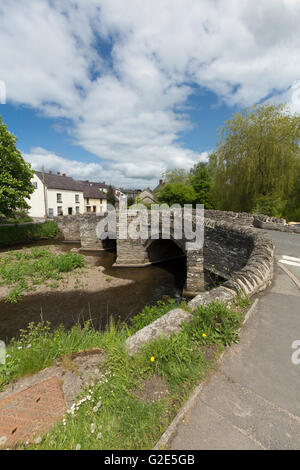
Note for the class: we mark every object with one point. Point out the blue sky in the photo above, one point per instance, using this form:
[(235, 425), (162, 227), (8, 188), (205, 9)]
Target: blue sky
[(32, 129), (122, 91)]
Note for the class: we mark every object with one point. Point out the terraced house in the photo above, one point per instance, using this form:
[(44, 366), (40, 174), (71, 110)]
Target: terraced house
[(95, 197), (59, 194)]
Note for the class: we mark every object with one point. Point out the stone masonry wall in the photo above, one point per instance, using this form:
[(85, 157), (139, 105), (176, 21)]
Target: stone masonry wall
[(69, 227), (254, 276), (244, 218)]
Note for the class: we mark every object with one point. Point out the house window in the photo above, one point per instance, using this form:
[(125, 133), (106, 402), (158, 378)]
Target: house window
[(35, 184), (77, 198), (77, 210), (87, 200), (50, 213), (88, 208), (59, 210), (94, 208), (58, 197)]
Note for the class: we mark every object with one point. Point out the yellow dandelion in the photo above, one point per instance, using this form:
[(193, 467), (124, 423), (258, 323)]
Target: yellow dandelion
[(152, 359), (204, 335)]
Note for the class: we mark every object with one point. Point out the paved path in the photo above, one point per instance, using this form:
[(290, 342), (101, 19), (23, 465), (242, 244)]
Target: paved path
[(253, 400)]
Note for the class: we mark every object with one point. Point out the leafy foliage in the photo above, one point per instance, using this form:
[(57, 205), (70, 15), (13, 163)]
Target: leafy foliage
[(15, 175), (257, 157), (176, 193), (201, 182), (11, 235), (111, 198)]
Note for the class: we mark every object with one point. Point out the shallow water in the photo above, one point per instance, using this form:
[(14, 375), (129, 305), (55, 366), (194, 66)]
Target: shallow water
[(150, 284)]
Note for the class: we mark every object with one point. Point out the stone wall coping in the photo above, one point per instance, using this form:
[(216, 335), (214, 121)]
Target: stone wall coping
[(252, 278), (166, 325)]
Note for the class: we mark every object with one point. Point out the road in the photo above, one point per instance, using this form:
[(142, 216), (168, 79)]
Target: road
[(252, 401)]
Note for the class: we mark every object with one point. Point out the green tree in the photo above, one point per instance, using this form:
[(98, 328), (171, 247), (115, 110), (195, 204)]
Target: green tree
[(15, 175), (177, 193), (130, 201), (201, 182), (111, 198), (177, 175), (256, 156)]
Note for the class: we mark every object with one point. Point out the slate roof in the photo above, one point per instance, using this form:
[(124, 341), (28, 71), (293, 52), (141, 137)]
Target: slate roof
[(93, 192), (54, 181)]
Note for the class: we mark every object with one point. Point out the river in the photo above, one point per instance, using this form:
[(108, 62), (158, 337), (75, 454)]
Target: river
[(150, 284)]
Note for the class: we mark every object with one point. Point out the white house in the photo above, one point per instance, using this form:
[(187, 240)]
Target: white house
[(55, 194), (59, 194)]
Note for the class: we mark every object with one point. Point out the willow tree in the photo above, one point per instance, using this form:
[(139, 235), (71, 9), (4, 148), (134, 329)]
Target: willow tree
[(256, 157)]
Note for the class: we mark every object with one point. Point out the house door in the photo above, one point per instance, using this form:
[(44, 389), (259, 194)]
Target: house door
[(70, 210)]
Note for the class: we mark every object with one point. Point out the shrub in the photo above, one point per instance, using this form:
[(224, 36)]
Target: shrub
[(14, 234)]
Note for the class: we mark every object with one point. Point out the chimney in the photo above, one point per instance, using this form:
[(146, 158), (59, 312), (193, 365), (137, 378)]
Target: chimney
[(64, 174), (50, 172), (87, 181), (58, 173)]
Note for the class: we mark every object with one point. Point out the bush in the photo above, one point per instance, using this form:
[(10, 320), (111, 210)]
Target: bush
[(14, 234), (271, 205)]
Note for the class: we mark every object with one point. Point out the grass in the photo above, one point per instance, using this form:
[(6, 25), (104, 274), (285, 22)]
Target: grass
[(110, 415), (14, 234), (24, 270)]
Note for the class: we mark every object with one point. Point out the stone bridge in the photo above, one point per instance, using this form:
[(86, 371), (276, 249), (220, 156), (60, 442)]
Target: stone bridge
[(229, 243), (139, 252)]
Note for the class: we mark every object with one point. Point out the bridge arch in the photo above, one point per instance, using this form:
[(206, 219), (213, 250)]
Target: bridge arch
[(160, 249)]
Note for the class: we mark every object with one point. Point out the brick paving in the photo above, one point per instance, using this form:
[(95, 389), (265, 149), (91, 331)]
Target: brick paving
[(31, 412)]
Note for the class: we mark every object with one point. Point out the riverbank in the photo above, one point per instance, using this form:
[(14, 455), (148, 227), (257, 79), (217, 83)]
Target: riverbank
[(46, 269), (137, 396), (14, 234)]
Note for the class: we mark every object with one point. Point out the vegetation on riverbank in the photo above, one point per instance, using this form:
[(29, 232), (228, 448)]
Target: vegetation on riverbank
[(116, 412), (14, 234), (254, 168), (23, 270)]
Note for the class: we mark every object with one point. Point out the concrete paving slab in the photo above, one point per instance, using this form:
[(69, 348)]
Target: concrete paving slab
[(207, 430), (253, 399), (266, 423)]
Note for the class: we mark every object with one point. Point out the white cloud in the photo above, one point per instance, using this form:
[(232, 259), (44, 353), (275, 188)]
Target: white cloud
[(121, 175), (126, 102)]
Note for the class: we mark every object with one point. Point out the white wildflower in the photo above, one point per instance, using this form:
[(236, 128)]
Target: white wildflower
[(99, 435), (78, 447), (38, 440), (93, 427)]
